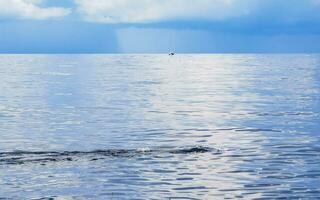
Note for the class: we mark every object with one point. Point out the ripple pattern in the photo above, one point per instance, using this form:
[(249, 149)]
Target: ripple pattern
[(160, 127)]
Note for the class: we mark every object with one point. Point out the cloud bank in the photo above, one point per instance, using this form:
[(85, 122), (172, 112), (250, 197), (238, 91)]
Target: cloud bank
[(29, 9), (150, 11), (154, 11)]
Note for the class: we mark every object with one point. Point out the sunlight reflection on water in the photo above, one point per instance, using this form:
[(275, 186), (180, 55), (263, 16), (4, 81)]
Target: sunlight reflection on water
[(258, 115)]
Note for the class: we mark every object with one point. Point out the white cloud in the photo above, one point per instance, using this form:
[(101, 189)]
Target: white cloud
[(29, 9), (144, 11), (140, 11), (148, 11)]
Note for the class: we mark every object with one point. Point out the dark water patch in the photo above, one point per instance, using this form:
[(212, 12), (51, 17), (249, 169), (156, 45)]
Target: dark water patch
[(156, 111), (191, 150), (46, 198), (185, 179), (277, 114), (257, 130), (191, 188), (239, 171), (196, 129), (261, 185), (225, 129), (184, 198), (241, 129), (24, 157), (151, 130)]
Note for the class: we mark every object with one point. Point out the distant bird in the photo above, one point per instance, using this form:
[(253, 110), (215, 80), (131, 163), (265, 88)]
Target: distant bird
[(171, 54)]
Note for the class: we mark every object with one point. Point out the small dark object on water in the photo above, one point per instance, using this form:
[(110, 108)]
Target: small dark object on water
[(171, 54)]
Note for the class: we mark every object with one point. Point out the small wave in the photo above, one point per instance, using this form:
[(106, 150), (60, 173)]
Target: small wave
[(24, 157)]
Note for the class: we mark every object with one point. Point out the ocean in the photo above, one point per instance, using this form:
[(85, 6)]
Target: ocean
[(193, 126)]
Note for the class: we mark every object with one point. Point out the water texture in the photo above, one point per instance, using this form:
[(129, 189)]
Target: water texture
[(160, 127)]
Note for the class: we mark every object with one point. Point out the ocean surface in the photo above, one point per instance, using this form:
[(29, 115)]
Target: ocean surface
[(160, 127)]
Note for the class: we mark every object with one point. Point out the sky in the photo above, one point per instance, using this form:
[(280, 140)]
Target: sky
[(159, 26)]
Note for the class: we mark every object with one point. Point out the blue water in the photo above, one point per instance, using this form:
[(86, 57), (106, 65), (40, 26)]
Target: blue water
[(159, 126)]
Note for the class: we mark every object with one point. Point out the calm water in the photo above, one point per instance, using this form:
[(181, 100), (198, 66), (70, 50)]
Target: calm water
[(159, 127)]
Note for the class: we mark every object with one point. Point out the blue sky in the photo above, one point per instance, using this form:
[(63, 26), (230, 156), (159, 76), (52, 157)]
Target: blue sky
[(159, 26)]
